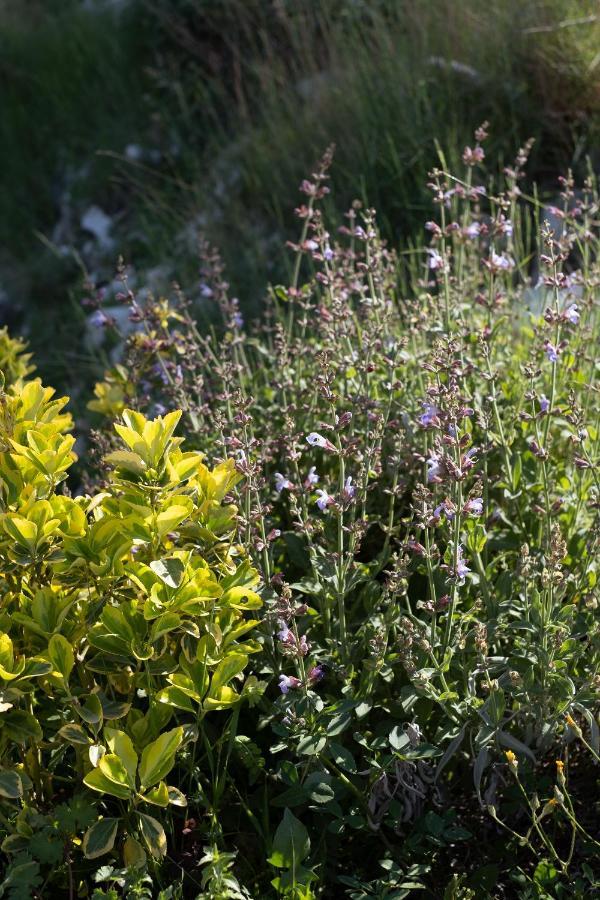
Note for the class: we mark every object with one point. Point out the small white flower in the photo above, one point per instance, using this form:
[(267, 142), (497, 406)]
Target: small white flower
[(317, 440), (572, 314)]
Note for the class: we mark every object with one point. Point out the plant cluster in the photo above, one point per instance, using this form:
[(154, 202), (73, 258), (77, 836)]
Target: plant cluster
[(124, 624), (411, 440)]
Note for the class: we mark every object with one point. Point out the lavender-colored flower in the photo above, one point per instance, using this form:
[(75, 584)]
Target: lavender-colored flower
[(499, 261), (551, 351), (98, 319), (303, 645), (281, 482), (288, 683), (160, 409), (311, 478), (473, 507), (436, 261), (324, 499), (473, 230), (544, 404), (284, 634), (317, 440), (430, 415), (462, 569), (238, 320), (434, 466), (206, 291), (328, 252), (572, 314), (316, 674), (349, 488), (446, 509)]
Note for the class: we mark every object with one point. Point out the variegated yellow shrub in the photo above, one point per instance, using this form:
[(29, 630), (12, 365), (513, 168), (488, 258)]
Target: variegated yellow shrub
[(123, 623)]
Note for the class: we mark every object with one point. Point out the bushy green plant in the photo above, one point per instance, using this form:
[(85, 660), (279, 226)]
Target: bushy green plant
[(419, 437), (124, 624)]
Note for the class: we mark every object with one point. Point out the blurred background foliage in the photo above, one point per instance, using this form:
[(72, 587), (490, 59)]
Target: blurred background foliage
[(127, 127)]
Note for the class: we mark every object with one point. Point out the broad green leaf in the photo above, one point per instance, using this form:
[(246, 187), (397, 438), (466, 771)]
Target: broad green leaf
[(100, 838), (228, 668), (291, 843), (159, 756), (134, 855), (241, 598), (176, 798), (11, 785), (74, 734), (170, 570), (21, 726), (154, 835), (158, 795), (61, 655), (121, 745), (98, 781), (170, 518)]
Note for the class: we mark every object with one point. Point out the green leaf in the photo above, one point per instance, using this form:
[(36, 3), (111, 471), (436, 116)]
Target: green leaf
[(169, 570), (170, 518), (21, 726), (61, 655), (176, 798), (291, 843), (228, 668), (158, 795), (100, 838), (154, 835), (159, 756), (121, 745), (134, 855), (11, 785), (97, 780)]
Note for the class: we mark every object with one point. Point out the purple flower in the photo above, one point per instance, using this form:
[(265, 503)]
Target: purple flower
[(436, 261), (544, 404), (98, 319), (317, 440), (349, 489), (288, 683), (473, 507), (551, 351), (473, 230), (462, 569), (206, 291), (285, 634), (281, 482), (572, 314), (324, 499), (311, 478), (238, 320), (499, 261), (435, 470), (316, 674), (467, 462), (444, 509), (328, 252), (430, 415)]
